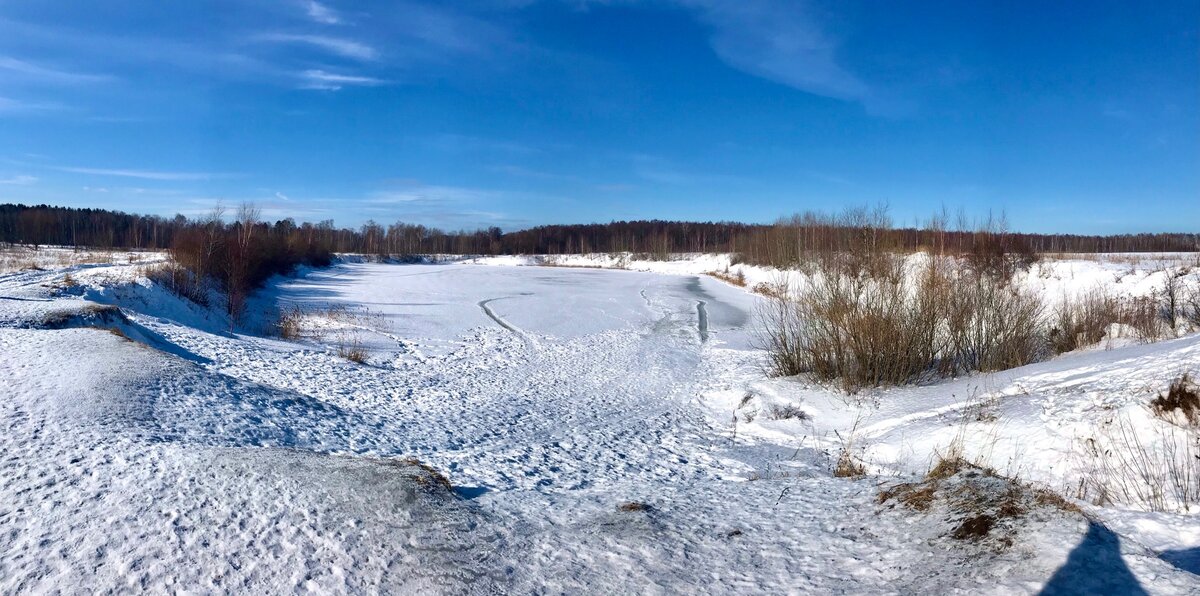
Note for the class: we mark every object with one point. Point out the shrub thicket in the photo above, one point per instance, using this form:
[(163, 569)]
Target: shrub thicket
[(1085, 319), (897, 320), (868, 314), (238, 256)]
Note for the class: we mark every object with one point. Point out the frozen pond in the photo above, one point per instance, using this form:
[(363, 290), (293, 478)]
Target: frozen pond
[(442, 302)]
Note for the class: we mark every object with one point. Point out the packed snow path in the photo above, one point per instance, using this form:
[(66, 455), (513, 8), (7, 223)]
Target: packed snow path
[(549, 397)]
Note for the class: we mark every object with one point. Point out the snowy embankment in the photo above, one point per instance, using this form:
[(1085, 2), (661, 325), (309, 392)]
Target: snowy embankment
[(604, 431)]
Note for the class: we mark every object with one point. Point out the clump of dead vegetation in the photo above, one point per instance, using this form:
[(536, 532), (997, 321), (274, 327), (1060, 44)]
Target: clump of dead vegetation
[(631, 506), (770, 290), (982, 503), (421, 473), (1190, 307), (786, 411), (737, 278), (868, 316), (1181, 401), (91, 315)]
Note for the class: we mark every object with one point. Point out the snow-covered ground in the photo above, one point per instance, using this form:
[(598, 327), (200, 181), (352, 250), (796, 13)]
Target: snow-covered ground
[(605, 431)]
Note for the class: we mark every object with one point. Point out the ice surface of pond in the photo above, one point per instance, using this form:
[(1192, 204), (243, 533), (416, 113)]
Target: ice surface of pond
[(442, 302)]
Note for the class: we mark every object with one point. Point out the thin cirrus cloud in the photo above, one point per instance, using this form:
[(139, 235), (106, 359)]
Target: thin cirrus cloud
[(22, 180), (20, 69), (144, 174), (332, 81), (429, 194), (9, 105), (321, 13), (779, 41), (345, 48)]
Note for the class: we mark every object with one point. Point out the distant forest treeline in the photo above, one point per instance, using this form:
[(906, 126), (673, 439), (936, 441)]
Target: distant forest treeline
[(780, 243)]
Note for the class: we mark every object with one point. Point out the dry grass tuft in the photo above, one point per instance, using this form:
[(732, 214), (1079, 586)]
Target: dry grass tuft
[(289, 322), (847, 466), (945, 467), (353, 351)]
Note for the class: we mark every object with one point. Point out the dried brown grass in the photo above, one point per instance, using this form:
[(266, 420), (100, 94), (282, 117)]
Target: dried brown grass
[(979, 499), (288, 325), (1154, 468), (353, 351), (737, 279)]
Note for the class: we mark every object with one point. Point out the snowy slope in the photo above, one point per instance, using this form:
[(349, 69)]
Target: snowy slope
[(193, 459)]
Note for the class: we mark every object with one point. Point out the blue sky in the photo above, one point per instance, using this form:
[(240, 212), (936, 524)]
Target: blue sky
[(1073, 117)]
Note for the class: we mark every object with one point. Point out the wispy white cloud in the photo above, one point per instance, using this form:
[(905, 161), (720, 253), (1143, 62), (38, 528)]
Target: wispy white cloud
[(143, 174), (20, 179), (779, 41), (345, 48), (524, 172), (444, 29), (332, 81), (1116, 111), (429, 194), (654, 168), (460, 143), (615, 187), (12, 67), (827, 177), (321, 13), (9, 105)]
